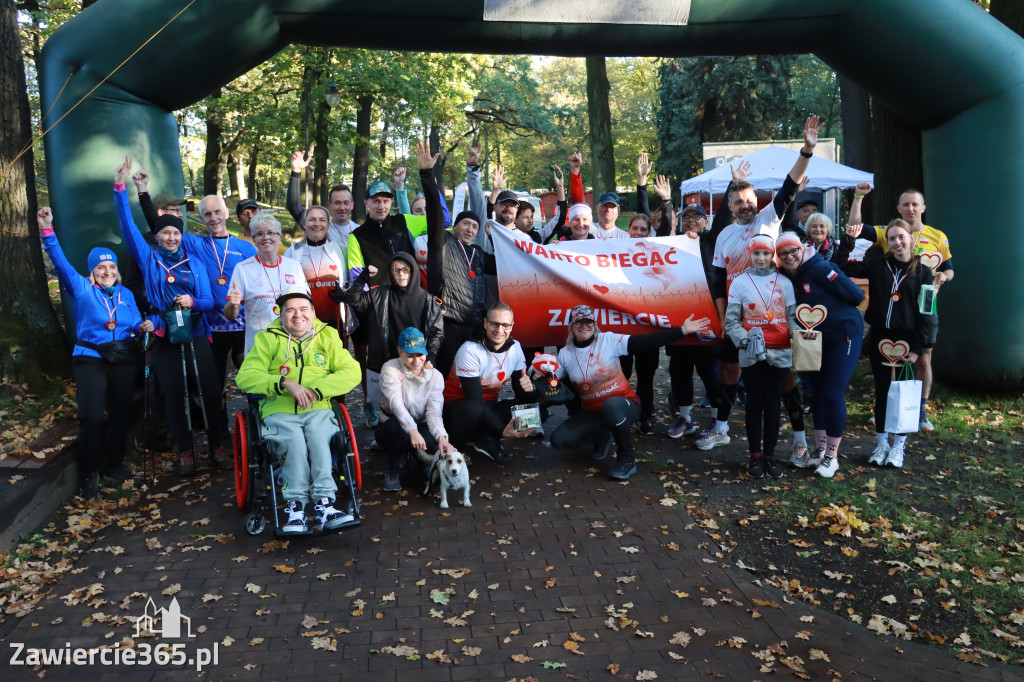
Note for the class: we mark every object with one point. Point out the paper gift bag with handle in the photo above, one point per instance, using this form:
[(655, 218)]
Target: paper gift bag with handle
[(903, 403), (807, 352)]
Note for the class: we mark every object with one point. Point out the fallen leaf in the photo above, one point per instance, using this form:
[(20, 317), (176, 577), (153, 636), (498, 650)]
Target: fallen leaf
[(282, 568), (252, 587), (171, 589), (521, 658), (227, 641), (646, 675)]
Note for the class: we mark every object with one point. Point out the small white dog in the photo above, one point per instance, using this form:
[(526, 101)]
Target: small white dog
[(453, 472)]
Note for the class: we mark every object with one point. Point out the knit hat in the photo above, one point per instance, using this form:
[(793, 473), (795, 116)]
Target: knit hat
[(466, 214), (98, 255), (167, 220), (788, 240), (761, 242)]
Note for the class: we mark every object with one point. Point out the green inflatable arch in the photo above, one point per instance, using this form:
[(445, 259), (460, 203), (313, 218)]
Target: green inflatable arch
[(943, 65)]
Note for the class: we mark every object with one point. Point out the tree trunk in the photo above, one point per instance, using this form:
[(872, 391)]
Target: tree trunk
[(856, 114), (235, 180), (30, 336), (1010, 12), (254, 155), (361, 159), (897, 151), (320, 179), (213, 165), (602, 155)]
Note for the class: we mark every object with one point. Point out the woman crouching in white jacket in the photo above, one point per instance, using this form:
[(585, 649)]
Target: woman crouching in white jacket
[(412, 400)]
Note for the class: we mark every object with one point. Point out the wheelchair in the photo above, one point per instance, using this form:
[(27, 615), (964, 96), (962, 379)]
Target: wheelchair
[(257, 471)]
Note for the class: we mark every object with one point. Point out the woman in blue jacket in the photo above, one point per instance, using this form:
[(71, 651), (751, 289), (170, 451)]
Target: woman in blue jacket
[(177, 285), (103, 361), (816, 281)]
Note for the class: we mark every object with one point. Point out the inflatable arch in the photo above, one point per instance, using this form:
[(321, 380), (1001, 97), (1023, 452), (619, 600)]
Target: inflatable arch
[(943, 65)]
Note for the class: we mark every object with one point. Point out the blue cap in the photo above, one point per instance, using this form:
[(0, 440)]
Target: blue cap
[(411, 341), (379, 187), (689, 208), (100, 254), (609, 198)]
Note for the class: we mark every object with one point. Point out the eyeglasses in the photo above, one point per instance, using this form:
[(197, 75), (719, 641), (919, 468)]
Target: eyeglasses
[(172, 209), (261, 235), (400, 271), (693, 217), (790, 253), (507, 326), (584, 323)]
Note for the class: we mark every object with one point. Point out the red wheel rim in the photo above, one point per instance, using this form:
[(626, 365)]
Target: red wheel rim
[(241, 462), (355, 446)]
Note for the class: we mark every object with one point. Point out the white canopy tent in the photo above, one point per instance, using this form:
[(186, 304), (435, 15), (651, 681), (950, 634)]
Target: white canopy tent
[(769, 167)]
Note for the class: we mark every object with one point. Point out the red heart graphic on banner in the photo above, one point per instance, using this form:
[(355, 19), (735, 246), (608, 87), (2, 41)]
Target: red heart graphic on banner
[(894, 351), (501, 376), (602, 289), (811, 316)]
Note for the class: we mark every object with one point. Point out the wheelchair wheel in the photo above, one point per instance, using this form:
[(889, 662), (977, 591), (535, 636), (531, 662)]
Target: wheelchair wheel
[(353, 446), (241, 447), (255, 523)]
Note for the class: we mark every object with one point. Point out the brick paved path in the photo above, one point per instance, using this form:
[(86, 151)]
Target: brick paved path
[(553, 565)]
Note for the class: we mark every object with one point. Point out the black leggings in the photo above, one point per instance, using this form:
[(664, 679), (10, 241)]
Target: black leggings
[(454, 336), (646, 366), (764, 397), (166, 361), (395, 442), (469, 421), (615, 418), (102, 387), (224, 345), (682, 360)]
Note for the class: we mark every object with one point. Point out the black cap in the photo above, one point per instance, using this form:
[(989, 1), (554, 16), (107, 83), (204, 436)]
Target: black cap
[(244, 204), (507, 195)]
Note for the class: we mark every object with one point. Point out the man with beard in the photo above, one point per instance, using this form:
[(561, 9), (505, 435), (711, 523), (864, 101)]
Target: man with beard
[(732, 257)]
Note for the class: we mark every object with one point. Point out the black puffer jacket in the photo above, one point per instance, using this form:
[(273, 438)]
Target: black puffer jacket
[(373, 307), (455, 271)]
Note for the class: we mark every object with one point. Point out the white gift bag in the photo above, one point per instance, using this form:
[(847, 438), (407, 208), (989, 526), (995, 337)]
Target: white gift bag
[(903, 404)]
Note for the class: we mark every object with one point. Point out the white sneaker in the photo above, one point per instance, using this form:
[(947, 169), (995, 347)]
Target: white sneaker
[(799, 455), (895, 457), (296, 519), (879, 455), (328, 517), (926, 424), (828, 467), (713, 440)]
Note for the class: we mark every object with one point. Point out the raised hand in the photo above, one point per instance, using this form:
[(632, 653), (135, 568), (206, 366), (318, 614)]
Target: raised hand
[(854, 230), (123, 171), (472, 155), (301, 159), (863, 189), (575, 162), (372, 269), (663, 188), (559, 178), (643, 169), (499, 178), (44, 217), (141, 180), (399, 178), (691, 325), (803, 184), (740, 172), (811, 128), (525, 383), (425, 160)]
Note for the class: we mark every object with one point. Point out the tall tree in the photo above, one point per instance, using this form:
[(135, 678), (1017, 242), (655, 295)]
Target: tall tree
[(897, 152), (29, 333), (602, 149), (858, 145)]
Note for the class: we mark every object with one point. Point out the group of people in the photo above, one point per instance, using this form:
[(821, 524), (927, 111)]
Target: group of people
[(434, 346)]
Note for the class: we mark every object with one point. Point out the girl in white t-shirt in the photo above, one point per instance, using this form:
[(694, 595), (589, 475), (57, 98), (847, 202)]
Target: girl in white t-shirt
[(760, 313)]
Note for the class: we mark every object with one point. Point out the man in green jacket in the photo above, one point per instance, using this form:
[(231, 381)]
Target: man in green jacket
[(298, 364)]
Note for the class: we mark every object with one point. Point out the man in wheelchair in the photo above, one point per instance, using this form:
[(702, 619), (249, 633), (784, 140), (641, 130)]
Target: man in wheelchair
[(298, 364)]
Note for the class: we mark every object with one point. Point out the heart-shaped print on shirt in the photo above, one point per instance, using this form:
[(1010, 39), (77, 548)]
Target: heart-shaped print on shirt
[(501, 376), (751, 306)]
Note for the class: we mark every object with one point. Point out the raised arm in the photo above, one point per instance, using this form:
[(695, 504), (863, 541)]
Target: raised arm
[(664, 190), (643, 169), (292, 202), (856, 206), (792, 182), (137, 245), (436, 234), (69, 278), (576, 193), (141, 180), (400, 193), (477, 203)]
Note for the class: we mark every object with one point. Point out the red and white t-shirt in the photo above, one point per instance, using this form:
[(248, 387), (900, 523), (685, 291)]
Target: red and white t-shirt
[(763, 299), (260, 286), (494, 369), (731, 247), (595, 371), (323, 267)]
